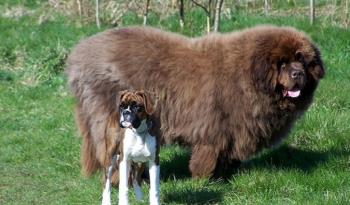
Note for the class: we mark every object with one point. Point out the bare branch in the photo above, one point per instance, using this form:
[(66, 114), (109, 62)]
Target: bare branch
[(203, 7)]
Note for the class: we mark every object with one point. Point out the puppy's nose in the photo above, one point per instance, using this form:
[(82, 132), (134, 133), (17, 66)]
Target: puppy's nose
[(296, 74), (126, 112)]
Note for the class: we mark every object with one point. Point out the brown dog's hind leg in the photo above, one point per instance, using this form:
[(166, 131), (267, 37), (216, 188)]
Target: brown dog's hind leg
[(225, 168), (203, 161)]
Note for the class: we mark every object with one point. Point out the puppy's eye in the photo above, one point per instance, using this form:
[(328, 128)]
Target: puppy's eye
[(137, 108), (140, 108), (123, 107)]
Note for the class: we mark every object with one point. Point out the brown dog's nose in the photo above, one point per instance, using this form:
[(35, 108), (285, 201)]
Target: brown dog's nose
[(296, 74)]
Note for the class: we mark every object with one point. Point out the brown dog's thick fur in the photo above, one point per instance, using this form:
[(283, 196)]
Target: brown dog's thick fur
[(222, 94)]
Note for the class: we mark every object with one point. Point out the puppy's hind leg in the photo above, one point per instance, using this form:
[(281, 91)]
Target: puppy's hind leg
[(138, 190), (106, 196), (138, 170)]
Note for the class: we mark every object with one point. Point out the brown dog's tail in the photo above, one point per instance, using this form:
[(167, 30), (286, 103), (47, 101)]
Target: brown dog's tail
[(89, 161)]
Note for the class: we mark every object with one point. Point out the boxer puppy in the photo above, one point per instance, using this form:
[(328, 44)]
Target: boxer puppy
[(137, 148)]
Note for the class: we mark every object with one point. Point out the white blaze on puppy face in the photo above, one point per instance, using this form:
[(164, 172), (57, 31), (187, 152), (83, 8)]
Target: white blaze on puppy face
[(122, 120)]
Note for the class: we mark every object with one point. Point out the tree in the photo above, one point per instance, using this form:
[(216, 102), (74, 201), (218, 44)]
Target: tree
[(207, 12), (182, 13), (145, 13), (312, 11), (346, 13), (79, 8), (217, 15), (266, 7), (97, 14)]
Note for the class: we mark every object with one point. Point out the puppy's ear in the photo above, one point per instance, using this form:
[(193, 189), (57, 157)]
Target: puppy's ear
[(149, 99), (121, 95), (316, 67), (263, 73)]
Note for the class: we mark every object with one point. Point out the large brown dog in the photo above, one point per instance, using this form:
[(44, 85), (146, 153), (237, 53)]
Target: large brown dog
[(226, 95)]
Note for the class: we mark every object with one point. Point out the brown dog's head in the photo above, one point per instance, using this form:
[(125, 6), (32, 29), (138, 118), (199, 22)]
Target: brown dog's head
[(134, 107), (286, 63)]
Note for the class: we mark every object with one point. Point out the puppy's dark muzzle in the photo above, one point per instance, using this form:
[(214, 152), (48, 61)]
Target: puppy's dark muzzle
[(130, 118), (127, 115)]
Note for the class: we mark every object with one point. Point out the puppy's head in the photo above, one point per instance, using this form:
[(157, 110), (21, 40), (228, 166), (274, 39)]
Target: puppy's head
[(134, 107)]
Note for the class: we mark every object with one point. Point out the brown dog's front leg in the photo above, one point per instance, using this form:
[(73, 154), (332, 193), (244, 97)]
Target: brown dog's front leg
[(203, 161)]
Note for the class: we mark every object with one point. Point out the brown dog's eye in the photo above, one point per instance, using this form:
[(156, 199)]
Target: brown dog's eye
[(299, 56), (281, 65)]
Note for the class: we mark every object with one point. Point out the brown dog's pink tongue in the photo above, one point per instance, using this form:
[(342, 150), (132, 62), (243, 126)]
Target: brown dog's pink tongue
[(293, 94)]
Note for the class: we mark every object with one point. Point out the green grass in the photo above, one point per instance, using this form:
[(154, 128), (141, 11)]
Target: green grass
[(40, 147)]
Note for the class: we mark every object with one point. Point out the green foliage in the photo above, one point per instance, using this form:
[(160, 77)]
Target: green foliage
[(39, 147)]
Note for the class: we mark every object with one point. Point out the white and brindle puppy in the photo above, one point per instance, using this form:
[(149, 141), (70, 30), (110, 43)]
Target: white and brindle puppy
[(137, 148)]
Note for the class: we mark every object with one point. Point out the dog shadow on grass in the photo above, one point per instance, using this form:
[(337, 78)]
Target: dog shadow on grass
[(175, 171), (284, 157), (289, 157), (176, 166)]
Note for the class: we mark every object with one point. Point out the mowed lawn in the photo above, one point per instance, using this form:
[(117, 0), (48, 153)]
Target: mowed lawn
[(40, 145)]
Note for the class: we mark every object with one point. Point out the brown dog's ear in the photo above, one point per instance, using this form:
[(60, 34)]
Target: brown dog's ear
[(149, 100), (317, 71), (316, 67), (263, 73)]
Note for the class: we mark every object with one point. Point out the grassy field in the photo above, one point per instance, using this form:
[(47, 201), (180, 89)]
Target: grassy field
[(40, 147)]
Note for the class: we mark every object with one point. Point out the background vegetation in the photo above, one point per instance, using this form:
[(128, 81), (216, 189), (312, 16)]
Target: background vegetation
[(40, 147)]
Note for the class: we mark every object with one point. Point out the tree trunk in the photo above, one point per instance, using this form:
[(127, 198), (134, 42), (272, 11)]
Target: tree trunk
[(79, 8), (145, 13), (312, 11), (97, 14), (208, 23), (217, 15), (346, 13), (182, 14), (266, 7)]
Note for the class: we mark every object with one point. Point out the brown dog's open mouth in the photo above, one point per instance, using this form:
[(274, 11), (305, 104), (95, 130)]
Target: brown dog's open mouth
[(291, 93)]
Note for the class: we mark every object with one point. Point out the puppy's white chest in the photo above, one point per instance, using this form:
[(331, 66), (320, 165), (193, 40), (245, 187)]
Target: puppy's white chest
[(139, 148)]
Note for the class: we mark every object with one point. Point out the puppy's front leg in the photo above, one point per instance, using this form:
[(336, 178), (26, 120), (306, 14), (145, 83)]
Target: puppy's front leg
[(106, 196), (154, 183), (124, 170)]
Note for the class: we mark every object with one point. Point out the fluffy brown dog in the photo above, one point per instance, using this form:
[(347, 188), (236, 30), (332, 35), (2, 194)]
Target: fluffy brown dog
[(226, 95)]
